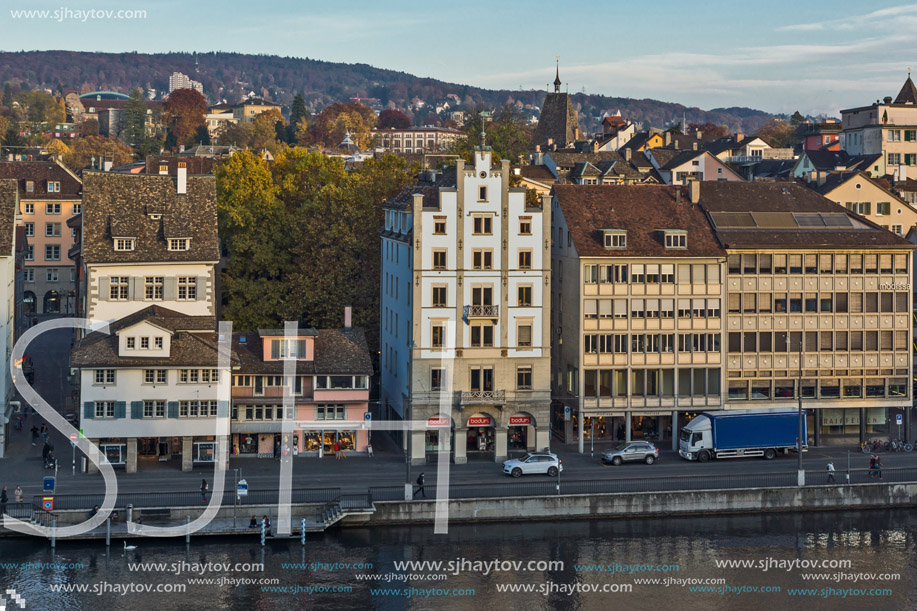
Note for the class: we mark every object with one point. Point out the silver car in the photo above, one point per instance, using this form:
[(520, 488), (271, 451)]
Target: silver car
[(544, 463), (631, 451)]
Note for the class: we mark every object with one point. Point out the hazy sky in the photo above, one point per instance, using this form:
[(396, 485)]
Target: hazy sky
[(776, 55)]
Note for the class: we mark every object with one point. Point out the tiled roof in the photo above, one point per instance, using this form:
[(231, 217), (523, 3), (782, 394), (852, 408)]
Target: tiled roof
[(558, 120), (249, 349), (641, 210), (193, 164), (194, 342), (40, 172), (9, 203), (827, 160), (116, 205), (405, 197), (789, 198), (339, 351), (669, 159), (835, 180), (537, 172)]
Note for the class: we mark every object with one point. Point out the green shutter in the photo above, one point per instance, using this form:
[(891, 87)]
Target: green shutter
[(120, 409), (136, 410), (89, 410), (173, 409)]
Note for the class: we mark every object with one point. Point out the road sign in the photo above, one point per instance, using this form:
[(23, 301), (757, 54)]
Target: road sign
[(47, 503), (48, 484), (242, 488), (899, 419), (567, 413), (73, 438), (368, 416)]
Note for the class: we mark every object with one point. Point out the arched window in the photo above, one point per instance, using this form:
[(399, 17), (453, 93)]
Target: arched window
[(52, 303)]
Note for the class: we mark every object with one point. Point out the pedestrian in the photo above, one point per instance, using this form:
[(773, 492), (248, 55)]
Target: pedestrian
[(879, 466), (830, 471), (44, 433), (420, 487), (4, 499), (369, 451), (17, 494), (34, 435), (267, 525), (203, 491), (872, 466), (337, 450), (45, 450)]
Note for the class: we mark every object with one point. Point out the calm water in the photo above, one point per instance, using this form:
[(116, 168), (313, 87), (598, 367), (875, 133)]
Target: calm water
[(873, 542)]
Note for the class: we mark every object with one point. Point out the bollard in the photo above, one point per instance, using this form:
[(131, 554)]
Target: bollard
[(108, 532), (53, 534), (302, 532), (188, 530)]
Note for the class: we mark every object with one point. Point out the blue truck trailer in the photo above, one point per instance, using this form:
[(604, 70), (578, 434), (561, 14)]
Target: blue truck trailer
[(739, 434)]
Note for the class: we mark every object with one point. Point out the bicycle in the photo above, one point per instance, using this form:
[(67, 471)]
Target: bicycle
[(872, 446)]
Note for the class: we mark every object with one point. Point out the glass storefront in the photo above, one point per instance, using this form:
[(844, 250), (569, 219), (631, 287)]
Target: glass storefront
[(480, 439), (204, 451), (248, 444), (517, 438), (116, 453), (311, 441)]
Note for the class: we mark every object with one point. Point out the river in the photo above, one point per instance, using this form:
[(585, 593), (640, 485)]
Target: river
[(866, 561)]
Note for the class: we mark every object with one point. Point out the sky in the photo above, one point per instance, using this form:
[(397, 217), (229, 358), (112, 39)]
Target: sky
[(774, 55)]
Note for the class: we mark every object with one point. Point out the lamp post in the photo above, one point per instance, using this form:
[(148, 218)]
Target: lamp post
[(800, 474)]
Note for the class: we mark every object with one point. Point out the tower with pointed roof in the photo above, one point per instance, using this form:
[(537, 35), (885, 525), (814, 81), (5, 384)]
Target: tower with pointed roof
[(558, 123)]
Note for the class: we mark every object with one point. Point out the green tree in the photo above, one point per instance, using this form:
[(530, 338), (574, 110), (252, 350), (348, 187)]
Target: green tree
[(797, 119), (507, 134), (298, 112), (202, 135), (7, 95), (134, 130)]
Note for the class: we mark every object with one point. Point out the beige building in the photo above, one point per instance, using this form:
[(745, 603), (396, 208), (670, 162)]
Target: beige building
[(814, 302), (246, 111), (417, 139), (859, 193), (637, 293), (465, 332)]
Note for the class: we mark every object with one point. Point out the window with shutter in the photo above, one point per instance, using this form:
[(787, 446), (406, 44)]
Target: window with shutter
[(525, 335), (590, 309)]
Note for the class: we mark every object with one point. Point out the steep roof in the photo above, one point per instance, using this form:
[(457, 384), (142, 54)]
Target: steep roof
[(194, 342), (775, 215), (40, 172), (9, 204), (405, 198), (641, 210), (120, 205), (908, 93), (670, 159), (557, 121), (342, 351), (835, 180), (536, 172)]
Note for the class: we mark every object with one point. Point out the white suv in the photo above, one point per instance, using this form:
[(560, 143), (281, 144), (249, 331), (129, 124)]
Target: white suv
[(543, 463)]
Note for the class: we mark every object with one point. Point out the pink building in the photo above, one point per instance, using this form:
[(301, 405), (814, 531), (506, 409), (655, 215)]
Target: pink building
[(822, 137), (330, 391)]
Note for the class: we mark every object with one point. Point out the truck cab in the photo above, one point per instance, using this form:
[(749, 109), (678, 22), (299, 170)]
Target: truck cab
[(694, 438)]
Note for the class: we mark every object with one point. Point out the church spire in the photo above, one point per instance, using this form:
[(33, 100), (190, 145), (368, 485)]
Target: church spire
[(557, 77)]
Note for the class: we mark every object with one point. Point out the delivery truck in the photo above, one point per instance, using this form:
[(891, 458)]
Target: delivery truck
[(737, 434)]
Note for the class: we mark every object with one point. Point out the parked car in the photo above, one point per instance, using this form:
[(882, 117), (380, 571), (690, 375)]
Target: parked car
[(534, 462), (631, 451)]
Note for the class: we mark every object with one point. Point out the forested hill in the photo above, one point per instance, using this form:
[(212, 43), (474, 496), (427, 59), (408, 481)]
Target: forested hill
[(228, 76)]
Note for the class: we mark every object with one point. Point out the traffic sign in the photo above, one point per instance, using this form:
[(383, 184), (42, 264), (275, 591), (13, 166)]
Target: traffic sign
[(242, 488), (47, 503), (899, 419), (567, 412), (73, 438), (48, 484), (368, 416)]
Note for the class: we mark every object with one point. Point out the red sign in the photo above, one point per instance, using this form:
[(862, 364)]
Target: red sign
[(480, 421), (520, 420), (47, 503), (73, 437), (438, 421)]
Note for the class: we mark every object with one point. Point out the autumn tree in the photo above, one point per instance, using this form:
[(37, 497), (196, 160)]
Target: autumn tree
[(709, 130), (58, 149), (334, 121), (94, 149), (778, 133), (508, 134), (238, 134), (182, 113), (89, 127), (393, 118), (264, 130)]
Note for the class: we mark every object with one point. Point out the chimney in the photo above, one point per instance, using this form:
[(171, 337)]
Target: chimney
[(550, 141), (595, 146), (694, 146), (106, 165), (668, 138), (700, 134), (677, 195), (348, 313), (902, 173), (628, 153), (181, 181), (694, 191), (739, 137), (181, 148)]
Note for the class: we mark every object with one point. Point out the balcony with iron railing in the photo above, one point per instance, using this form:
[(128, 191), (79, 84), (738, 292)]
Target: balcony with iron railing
[(483, 397), (482, 311)]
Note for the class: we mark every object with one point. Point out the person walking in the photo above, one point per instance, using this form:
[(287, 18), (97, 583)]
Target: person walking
[(17, 494), (34, 435), (830, 471), (872, 466), (420, 488), (879, 466), (44, 433), (4, 499), (203, 491)]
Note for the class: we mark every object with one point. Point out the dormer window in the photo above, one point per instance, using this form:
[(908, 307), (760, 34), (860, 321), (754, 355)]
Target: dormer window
[(163, 169), (675, 238), (124, 244), (53, 186), (615, 238), (29, 186), (288, 349), (179, 243)]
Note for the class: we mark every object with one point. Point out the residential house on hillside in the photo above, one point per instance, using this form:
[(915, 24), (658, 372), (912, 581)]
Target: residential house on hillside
[(814, 166), (246, 110), (642, 141), (679, 167), (865, 196), (149, 239), (49, 194), (417, 139)]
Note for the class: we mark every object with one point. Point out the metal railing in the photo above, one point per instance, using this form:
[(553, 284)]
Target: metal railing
[(482, 311), (474, 397)]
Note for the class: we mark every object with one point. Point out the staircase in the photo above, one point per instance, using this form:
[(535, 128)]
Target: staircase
[(346, 505)]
